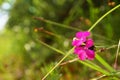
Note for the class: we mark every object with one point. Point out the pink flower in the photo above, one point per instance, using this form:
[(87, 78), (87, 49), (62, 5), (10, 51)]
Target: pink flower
[(80, 38), (85, 51), (82, 34), (84, 47)]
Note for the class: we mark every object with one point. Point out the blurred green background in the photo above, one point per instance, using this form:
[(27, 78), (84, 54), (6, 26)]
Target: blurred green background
[(22, 57)]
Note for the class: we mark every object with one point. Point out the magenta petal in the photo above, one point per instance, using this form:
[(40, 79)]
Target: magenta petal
[(76, 42), (79, 34), (90, 54), (89, 43), (82, 55), (77, 49), (83, 46), (86, 33), (82, 34)]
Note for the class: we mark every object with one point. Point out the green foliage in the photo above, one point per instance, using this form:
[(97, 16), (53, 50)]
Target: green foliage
[(23, 57), (55, 74)]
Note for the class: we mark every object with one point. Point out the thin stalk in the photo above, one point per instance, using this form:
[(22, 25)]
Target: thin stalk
[(54, 49), (41, 29), (57, 24), (95, 67), (98, 78), (98, 68), (70, 61), (87, 63), (103, 62), (103, 17), (68, 53), (116, 58), (71, 50)]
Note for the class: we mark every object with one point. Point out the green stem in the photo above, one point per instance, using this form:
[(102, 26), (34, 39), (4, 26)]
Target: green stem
[(71, 50), (103, 62), (95, 67), (54, 49), (98, 68), (117, 54), (103, 17), (87, 63), (68, 53), (57, 24)]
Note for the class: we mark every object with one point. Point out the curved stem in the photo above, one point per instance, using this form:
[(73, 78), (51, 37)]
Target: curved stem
[(103, 62), (117, 54), (103, 17), (87, 63), (68, 53)]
